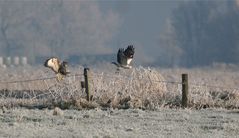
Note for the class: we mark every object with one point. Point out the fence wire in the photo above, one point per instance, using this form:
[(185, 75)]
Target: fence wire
[(38, 91), (37, 79), (142, 84), (200, 95)]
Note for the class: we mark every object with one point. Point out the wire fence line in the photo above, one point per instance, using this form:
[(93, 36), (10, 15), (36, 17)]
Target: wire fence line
[(39, 88), (130, 77), (107, 85), (37, 79), (212, 86), (116, 76), (171, 82)]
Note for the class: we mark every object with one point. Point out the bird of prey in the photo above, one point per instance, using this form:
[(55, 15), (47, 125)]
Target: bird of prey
[(124, 57), (58, 67)]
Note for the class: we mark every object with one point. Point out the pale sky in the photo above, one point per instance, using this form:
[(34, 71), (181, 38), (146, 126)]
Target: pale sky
[(142, 21)]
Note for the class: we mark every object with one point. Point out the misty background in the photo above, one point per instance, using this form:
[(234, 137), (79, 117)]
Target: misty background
[(166, 33)]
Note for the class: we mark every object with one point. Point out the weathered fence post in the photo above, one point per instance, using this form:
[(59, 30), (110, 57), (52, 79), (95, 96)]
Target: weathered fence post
[(184, 90), (87, 87)]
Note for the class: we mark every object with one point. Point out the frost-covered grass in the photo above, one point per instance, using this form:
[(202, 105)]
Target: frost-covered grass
[(210, 86), (23, 123), (146, 88)]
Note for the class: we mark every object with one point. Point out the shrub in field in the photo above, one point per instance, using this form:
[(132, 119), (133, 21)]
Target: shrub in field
[(129, 88)]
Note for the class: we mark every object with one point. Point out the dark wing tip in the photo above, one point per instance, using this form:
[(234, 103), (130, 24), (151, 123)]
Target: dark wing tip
[(131, 47), (121, 50), (119, 55), (46, 63), (129, 52), (64, 62)]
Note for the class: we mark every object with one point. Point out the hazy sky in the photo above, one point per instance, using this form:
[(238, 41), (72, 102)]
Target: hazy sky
[(68, 28), (141, 21), (83, 26)]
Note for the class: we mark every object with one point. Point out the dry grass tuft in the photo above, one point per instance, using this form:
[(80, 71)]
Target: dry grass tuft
[(128, 88), (57, 112)]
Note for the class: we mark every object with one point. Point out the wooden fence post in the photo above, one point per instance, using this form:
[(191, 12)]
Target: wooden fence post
[(184, 90), (87, 87)]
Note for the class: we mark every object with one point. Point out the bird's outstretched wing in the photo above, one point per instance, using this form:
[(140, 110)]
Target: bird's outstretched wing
[(53, 63), (124, 57), (63, 68), (120, 56)]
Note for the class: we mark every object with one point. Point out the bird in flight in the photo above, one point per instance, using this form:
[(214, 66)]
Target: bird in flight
[(124, 57), (58, 67)]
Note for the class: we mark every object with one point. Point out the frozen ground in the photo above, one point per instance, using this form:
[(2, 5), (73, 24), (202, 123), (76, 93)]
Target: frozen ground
[(20, 122)]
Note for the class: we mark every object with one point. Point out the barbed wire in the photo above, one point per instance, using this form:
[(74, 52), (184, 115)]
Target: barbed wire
[(37, 79), (212, 86), (170, 82), (130, 77), (123, 76)]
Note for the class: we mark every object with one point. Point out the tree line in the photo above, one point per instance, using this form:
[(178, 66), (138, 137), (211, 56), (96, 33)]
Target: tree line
[(55, 28), (200, 33)]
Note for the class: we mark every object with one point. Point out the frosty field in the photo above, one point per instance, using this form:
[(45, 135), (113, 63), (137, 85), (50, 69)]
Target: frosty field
[(25, 123), (142, 102)]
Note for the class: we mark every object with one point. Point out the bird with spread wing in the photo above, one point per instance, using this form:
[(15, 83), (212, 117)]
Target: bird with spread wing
[(59, 68), (124, 57)]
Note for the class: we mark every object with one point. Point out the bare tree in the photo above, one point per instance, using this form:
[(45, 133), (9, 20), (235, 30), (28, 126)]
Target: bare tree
[(55, 28), (205, 31)]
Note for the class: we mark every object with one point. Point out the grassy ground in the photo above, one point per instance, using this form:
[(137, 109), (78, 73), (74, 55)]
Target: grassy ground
[(119, 123)]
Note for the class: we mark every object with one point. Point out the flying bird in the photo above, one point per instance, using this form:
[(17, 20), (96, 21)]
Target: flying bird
[(124, 57), (58, 67)]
